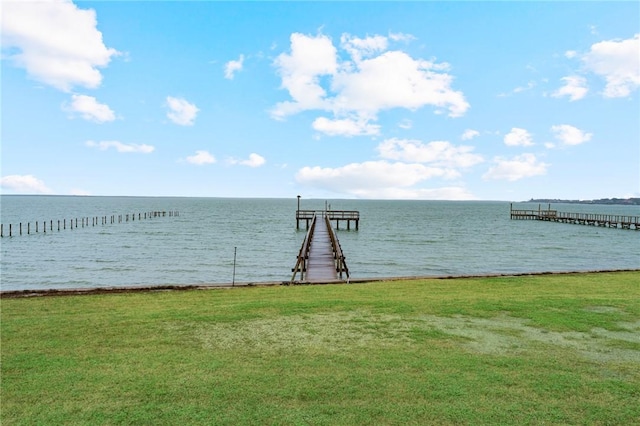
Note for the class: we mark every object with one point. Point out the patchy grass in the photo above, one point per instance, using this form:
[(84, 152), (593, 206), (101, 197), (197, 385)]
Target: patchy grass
[(511, 350)]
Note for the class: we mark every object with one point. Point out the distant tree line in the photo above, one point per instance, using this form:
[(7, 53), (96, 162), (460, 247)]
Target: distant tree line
[(623, 201)]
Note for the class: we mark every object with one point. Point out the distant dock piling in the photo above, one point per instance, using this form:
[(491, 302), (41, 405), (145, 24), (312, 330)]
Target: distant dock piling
[(86, 221), (591, 219)]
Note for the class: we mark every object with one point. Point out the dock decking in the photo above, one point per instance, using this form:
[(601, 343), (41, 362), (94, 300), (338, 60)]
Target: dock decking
[(592, 219), (320, 258)]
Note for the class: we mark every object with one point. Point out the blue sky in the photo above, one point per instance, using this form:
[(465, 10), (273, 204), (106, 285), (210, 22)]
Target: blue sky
[(381, 100)]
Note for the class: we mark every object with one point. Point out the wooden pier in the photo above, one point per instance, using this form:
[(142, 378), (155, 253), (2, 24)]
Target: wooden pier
[(320, 258), (333, 215), (591, 219)]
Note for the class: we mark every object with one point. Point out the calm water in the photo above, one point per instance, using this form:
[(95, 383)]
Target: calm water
[(396, 238)]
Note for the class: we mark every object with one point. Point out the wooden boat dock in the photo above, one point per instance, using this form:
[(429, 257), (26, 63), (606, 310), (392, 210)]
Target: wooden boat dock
[(320, 258), (333, 215), (592, 219)]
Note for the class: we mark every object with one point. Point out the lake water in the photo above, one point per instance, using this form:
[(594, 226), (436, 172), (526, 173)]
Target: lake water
[(395, 239)]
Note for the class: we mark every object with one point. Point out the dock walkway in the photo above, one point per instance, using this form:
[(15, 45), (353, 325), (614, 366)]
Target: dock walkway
[(320, 258)]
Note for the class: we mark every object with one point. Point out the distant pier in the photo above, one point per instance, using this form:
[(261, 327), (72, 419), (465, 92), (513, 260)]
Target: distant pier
[(591, 219)]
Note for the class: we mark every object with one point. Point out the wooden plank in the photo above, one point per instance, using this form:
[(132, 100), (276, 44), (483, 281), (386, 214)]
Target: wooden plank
[(321, 265)]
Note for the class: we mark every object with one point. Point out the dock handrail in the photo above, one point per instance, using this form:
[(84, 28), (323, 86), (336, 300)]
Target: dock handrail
[(331, 214), (341, 264), (303, 255)]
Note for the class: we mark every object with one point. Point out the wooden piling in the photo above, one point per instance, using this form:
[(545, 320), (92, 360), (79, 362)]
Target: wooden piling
[(84, 222)]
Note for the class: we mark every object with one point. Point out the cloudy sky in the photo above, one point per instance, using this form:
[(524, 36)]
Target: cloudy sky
[(384, 100)]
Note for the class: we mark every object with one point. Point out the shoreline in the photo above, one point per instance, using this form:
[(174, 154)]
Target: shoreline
[(15, 294)]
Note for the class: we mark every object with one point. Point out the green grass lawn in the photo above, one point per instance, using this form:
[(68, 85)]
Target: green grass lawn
[(554, 349)]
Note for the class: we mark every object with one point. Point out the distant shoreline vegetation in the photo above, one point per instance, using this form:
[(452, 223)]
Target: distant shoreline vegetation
[(622, 201)]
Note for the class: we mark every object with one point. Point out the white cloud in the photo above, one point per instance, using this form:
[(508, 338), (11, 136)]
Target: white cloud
[(355, 90), (310, 58), (254, 160), (181, 112), (569, 135), (232, 67), (90, 109), (518, 137), (516, 168), (575, 88), (121, 147), (618, 62), (438, 153), (360, 48), (58, 43), (201, 157), (381, 180), (401, 37), (530, 85), (469, 134), (26, 184), (345, 127), (395, 80), (357, 178)]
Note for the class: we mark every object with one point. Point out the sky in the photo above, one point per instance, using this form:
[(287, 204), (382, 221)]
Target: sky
[(336, 100)]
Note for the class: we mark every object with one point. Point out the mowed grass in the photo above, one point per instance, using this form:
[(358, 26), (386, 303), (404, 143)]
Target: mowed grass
[(553, 349)]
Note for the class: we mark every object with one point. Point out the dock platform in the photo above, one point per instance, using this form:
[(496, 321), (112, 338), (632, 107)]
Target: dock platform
[(336, 216)]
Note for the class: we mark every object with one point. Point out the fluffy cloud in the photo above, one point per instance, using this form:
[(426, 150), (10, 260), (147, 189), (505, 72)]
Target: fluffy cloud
[(345, 127), (469, 134), (404, 164), (57, 43), (356, 89), (575, 88), (232, 67), (380, 180), (363, 47), (201, 158), (181, 112), (254, 160), (357, 178), (90, 109), (25, 184), (310, 58), (516, 168), (569, 135), (121, 147), (618, 62), (518, 137), (438, 153)]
